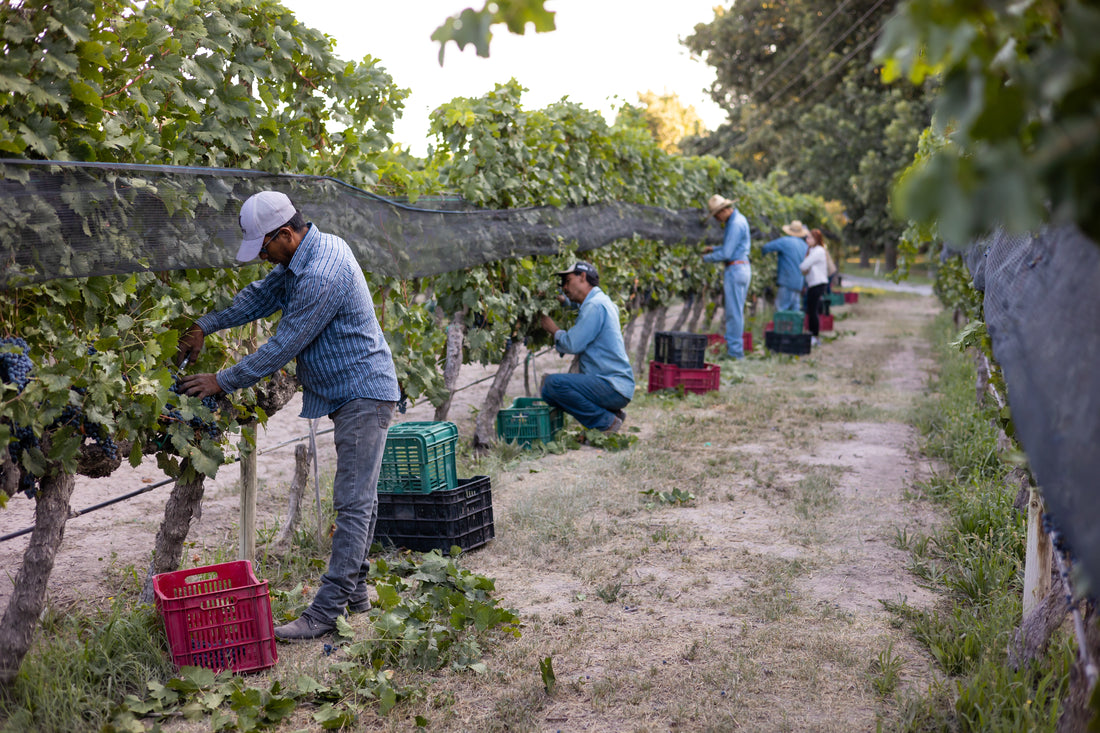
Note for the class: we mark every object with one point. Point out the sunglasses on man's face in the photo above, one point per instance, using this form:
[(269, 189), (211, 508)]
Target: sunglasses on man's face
[(263, 247)]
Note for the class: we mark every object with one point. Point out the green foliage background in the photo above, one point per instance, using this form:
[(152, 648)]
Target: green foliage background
[(102, 82)]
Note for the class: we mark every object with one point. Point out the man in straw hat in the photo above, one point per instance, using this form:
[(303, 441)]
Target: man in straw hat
[(737, 273), (345, 367), (791, 250)]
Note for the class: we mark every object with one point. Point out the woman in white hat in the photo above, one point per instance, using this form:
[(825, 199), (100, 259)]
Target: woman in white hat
[(737, 273)]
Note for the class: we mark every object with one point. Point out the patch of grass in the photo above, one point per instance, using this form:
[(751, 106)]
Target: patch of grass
[(816, 494), (547, 524), (976, 558), (610, 592), (885, 671), (771, 594), (81, 665)]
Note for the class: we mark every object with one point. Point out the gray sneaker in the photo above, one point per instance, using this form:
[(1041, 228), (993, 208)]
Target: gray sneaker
[(303, 628), (615, 425)]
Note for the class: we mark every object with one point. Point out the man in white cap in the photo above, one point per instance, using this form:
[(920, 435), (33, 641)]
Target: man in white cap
[(595, 397), (791, 250), (343, 364), (737, 273)]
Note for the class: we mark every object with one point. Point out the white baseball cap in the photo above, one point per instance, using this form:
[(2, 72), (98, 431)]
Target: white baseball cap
[(263, 212)]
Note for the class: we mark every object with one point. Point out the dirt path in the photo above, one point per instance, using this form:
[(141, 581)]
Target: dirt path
[(756, 606)]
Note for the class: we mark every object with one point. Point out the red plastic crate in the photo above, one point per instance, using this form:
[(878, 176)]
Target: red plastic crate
[(717, 338), (851, 297), (218, 617), (824, 323), (670, 376)]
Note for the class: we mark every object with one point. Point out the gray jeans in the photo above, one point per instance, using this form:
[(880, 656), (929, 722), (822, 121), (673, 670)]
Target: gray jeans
[(360, 433)]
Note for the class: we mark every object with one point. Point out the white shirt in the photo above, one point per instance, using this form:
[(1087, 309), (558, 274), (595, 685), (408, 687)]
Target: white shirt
[(814, 267)]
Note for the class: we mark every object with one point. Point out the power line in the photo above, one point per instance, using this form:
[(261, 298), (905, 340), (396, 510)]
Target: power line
[(744, 136), (843, 61), (833, 45), (792, 54)]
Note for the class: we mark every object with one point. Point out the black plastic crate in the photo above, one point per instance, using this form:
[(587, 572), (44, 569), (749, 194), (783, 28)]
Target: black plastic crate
[(683, 349), (787, 343), (462, 516)]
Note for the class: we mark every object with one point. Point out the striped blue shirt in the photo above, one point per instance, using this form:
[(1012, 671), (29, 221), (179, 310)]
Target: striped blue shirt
[(328, 324)]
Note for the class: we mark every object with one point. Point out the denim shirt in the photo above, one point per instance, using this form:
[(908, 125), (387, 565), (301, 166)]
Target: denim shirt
[(328, 324), (792, 250), (596, 336), (735, 243)]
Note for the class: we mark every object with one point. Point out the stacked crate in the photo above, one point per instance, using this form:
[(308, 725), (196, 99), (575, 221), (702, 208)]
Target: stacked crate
[(419, 458), (461, 516), (422, 505), (679, 361), (785, 333), (788, 322)]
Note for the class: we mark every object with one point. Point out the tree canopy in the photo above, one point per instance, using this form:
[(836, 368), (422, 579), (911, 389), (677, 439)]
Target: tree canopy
[(1016, 139), (806, 100)]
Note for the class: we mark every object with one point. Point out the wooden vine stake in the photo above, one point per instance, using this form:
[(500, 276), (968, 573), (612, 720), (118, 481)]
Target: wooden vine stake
[(248, 479), (1037, 562), (248, 493)]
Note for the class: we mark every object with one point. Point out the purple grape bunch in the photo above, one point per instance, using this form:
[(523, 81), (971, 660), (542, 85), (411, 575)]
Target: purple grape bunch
[(15, 366), (210, 429)]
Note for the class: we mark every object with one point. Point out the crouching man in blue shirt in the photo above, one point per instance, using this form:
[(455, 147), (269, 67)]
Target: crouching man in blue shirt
[(595, 397), (345, 369)]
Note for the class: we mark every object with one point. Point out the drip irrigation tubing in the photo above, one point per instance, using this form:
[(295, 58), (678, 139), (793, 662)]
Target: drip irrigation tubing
[(150, 487), (165, 482)]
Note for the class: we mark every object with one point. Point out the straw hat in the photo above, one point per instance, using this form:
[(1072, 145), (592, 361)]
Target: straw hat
[(796, 229), (716, 203)]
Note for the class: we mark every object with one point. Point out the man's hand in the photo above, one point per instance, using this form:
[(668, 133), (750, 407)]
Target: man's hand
[(708, 249), (200, 385), (548, 324), (190, 344)]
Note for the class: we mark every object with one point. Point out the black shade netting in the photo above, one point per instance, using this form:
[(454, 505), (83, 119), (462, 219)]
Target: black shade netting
[(82, 219), (1041, 308)]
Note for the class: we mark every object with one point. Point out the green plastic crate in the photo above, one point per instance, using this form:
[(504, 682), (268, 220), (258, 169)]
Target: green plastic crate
[(529, 420), (419, 458), (835, 298), (788, 321)]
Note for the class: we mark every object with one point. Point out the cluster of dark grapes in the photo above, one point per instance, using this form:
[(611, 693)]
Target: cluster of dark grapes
[(23, 439), (172, 413), (73, 416), (210, 403), (15, 367)]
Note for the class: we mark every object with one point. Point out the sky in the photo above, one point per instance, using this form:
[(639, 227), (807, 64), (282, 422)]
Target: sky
[(603, 53)]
